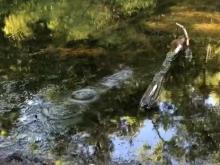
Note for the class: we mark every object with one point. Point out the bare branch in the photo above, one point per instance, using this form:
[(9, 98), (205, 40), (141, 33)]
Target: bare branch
[(185, 33)]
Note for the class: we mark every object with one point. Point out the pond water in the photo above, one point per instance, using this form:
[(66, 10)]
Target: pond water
[(93, 116), (85, 109)]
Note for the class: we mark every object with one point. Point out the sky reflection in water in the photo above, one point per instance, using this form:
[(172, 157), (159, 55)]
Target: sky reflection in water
[(128, 147)]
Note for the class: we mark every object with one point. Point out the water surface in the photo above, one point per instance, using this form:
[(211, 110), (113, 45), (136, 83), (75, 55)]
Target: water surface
[(85, 109)]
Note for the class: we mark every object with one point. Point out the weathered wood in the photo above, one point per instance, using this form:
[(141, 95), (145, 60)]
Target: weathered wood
[(185, 33), (150, 97)]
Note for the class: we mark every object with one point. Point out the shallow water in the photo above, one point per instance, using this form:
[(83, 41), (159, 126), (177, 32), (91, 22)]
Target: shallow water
[(100, 121)]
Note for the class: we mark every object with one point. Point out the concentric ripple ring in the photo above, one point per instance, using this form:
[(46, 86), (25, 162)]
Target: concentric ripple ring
[(85, 95)]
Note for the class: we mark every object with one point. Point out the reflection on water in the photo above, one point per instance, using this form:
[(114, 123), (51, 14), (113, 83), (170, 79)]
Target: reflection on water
[(213, 100), (115, 79), (98, 121), (41, 117), (84, 95), (85, 110), (127, 148), (90, 94)]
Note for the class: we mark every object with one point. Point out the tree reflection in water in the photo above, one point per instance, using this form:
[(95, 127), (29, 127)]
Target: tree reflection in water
[(183, 129)]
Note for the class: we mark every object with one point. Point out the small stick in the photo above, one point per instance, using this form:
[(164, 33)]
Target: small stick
[(185, 33), (208, 52)]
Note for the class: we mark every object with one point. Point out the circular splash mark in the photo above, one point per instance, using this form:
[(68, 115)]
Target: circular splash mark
[(86, 95)]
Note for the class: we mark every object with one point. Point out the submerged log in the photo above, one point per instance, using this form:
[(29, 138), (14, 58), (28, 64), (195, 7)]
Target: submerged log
[(150, 97)]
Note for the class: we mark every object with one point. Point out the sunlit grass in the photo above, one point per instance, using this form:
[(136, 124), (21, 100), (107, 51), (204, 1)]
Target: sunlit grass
[(69, 20), (16, 26), (208, 28), (129, 7), (197, 22), (78, 22), (157, 25)]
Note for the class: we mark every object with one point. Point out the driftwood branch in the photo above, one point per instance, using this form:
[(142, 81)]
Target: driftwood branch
[(181, 45), (185, 32), (208, 52), (150, 97)]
